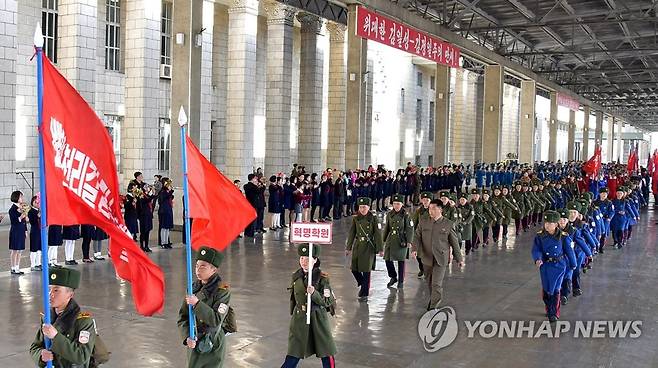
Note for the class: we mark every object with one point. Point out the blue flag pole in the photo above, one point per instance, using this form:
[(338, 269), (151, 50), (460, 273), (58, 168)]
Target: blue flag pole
[(182, 121), (45, 281)]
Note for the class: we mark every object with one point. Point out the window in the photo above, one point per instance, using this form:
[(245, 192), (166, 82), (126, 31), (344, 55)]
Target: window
[(112, 35), (49, 28), (430, 160), (430, 130), (164, 144), (113, 126), (165, 33), (402, 100), (419, 117), (432, 83), (419, 79)]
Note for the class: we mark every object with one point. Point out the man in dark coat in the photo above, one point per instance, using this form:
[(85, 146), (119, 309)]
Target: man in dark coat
[(254, 192)]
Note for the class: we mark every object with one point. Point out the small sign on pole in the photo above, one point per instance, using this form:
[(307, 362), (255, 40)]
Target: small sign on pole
[(318, 233)]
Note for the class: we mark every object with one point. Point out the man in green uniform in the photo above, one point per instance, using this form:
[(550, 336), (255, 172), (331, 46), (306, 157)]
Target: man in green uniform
[(434, 239), (479, 219), (423, 210), (467, 215), (210, 302), (316, 338), (492, 214), (398, 235), (72, 332), (364, 242)]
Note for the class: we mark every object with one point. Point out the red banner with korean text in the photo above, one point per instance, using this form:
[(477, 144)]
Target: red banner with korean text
[(568, 102), (379, 28), (82, 185)]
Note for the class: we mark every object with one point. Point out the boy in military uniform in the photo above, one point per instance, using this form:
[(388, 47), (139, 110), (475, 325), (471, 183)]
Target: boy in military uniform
[(314, 339), (210, 302), (552, 253), (398, 235), (364, 242), (71, 332), (467, 215), (422, 210)]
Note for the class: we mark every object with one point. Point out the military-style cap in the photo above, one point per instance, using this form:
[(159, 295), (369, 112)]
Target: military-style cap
[(564, 213), (398, 198), (485, 191), (573, 206), (525, 184), (302, 250), (428, 195), (621, 189), (583, 206), (494, 187), (475, 191), (518, 182), (551, 216), (589, 195), (62, 276), (210, 255), (463, 195), (603, 190), (444, 193), (452, 197), (363, 201)]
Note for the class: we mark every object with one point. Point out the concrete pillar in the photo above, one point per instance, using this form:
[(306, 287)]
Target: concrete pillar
[(76, 49), (357, 58), (552, 129), (185, 79), (219, 79), (585, 146), (527, 128), (571, 136), (493, 112), (8, 48), (241, 88), (620, 142), (139, 133), (442, 114), (280, 20), (598, 132), (310, 93), (337, 96), (611, 135)]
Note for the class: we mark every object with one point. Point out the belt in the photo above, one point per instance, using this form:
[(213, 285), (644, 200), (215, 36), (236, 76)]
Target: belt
[(554, 259), (302, 307)]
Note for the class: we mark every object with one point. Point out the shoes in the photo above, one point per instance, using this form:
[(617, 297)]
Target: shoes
[(552, 319), (19, 272), (400, 284), (147, 250), (563, 300), (391, 282), (263, 230), (273, 228), (577, 292), (420, 274), (87, 260), (71, 263), (35, 268), (101, 258)]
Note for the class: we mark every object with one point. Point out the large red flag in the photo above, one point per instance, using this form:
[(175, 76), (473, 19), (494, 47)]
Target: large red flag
[(83, 187), (631, 165), (219, 210), (593, 165)]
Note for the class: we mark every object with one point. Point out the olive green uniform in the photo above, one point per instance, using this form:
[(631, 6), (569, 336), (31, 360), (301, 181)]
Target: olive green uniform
[(73, 345), (364, 240), (398, 233), (209, 323)]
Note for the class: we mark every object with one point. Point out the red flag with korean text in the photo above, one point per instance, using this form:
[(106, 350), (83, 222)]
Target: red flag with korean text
[(219, 209), (593, 165), (82, 185)]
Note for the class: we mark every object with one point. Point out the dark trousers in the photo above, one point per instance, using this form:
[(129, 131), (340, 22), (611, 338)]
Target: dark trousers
[(469, 246), (485, 234), (505, 231), (495, 228), (86, 242), (552, 303), (524, 222), (517, 226), (144, 238), (566, 287), (363, 280), (313, 208), (325, 212), (618, 236), (475, 238), (575, 279), (291, 362), (399, 275), (260, 219), (338, 210), (420, 264)]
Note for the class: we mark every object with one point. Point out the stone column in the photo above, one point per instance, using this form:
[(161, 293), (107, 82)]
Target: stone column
[(610, 137), (219, 81), (337, 96), (241, 88), (598, 132), (139, 132), (8, 48), (493, 112), (620, 142), (357, 58), (76, 49), (552, 129), (310, 93), (585, 146), (280, 20), (186, 79), (527, 128), (571, 136), (442, 113)]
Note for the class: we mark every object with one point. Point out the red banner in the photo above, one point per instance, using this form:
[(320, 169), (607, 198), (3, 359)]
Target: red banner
[(566, 101), (376, 27)]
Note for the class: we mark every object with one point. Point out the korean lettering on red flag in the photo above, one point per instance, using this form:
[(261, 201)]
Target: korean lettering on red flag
[(82, 185)]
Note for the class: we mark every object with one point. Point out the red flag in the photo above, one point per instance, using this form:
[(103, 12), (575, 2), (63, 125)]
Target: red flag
[(83, 187), (631, 165), (593, 165), (219, 209)]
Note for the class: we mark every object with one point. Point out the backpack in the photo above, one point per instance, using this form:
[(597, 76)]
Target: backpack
[(100, 354)]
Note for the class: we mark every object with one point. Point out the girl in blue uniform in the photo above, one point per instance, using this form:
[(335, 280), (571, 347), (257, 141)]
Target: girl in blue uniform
[(552, 253), (34, 218), (17, 232), (166, 213), (619, 222)]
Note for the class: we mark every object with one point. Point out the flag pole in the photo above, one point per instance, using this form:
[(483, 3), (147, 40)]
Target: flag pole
[(182, 121), (45, 281), (310, 283)]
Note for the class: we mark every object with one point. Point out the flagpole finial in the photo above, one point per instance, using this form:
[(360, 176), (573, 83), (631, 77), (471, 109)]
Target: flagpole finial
[(38, 36), (182, 117)]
